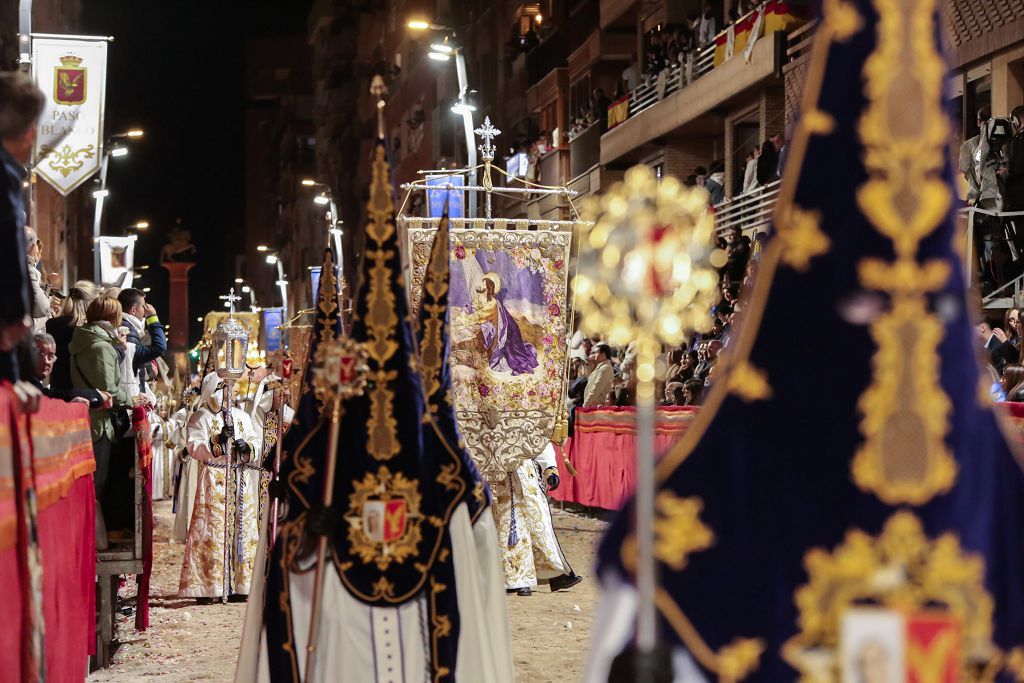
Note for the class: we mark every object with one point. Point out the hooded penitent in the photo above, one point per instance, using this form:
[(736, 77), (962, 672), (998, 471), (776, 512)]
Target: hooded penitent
[(814, 532), (400, 475)]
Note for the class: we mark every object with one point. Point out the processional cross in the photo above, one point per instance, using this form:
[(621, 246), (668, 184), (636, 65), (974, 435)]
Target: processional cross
[(488, 132), (231, 298)]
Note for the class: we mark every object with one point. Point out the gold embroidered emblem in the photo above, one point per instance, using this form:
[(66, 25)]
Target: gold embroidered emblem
[(748, 382), (435, 287), (678, 531), (381, 318), (902, 573), (905, 412), (799, 236), (384, 518)]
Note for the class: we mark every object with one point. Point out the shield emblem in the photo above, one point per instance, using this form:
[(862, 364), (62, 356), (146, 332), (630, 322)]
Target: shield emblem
[(69, 81), (384, 521), (346, 370)]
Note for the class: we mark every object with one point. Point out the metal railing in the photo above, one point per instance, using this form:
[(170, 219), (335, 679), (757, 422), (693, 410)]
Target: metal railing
[(671, 80), (750, 212), (1009, 290)]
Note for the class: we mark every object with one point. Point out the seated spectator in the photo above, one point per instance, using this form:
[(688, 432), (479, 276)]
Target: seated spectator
[(693, 393), (599, 383), (1013, 382)]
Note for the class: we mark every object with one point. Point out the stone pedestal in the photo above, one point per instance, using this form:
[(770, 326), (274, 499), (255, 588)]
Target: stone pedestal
[(177, 342)]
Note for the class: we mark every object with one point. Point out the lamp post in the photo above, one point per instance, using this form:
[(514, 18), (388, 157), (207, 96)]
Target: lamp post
[(326, 198), (273, 258), (647, 274), (110, 150), (442, 52), (247, 288), (230, 344)]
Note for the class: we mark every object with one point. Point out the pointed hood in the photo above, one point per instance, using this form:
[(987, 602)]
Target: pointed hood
[(844, 436), (394, 490)]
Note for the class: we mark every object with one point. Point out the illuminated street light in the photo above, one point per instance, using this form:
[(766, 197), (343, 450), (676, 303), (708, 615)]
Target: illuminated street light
[(101, 194), (309, 182), (272, 259), (418, 25), (461, 108), (119, 152), (321, 199), (442, 47), (134, 133), (239, 280), (140, 225), (246, 289), (146, 289), (262, 247), (439, 56)]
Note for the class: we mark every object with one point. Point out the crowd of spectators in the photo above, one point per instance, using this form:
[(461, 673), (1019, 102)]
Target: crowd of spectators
[(595, 111), (605, 376), (992, 164)]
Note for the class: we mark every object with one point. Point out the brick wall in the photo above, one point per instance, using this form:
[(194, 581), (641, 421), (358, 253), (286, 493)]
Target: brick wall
[(772, 112)]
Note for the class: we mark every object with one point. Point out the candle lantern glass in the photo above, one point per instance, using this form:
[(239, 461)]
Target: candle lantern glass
[(230, 344)]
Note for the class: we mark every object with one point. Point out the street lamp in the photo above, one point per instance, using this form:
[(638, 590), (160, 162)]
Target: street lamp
[(274, 259), (140, 225), (325, 198), (442, 52), (115, 151)]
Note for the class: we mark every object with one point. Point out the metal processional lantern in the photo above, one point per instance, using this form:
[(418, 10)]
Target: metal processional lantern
[(230, 343)]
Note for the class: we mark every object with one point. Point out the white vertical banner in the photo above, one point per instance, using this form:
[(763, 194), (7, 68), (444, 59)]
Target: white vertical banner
[(117, 260), (69, 142)]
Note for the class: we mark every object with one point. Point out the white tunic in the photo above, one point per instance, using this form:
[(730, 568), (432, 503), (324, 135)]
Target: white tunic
[(362, 644)]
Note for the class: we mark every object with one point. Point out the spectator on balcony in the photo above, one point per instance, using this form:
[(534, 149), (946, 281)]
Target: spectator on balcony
[(750, 171), (978, 169), (715, 183), (1013, 172), (767, 163), (700, 174), (708, 26), (781, 150)]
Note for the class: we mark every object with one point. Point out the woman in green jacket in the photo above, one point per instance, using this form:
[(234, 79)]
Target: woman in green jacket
[(95, 364)]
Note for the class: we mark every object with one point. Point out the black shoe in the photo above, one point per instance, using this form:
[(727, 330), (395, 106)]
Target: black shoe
[(560, 583), (204, 601), (237, 597), (524, 592)]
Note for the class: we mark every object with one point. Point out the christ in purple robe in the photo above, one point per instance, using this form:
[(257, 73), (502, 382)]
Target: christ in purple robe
[(502, 337)]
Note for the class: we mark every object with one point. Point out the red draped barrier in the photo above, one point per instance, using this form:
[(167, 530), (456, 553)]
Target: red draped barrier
[(62, 467), (603, 453)]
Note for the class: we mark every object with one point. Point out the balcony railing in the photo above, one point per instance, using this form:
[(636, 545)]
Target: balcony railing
[(751, 212), (1010, 293), (585, 150)]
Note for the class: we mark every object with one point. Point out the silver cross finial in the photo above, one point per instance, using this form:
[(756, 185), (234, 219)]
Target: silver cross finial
[(231, 298), (488, 133)]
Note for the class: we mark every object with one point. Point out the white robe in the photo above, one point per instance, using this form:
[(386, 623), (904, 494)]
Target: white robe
[(356, 640), (202, 570), (614, 624), (531, 552)]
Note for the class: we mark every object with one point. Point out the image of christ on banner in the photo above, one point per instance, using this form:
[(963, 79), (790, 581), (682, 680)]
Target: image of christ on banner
[(508, 324)]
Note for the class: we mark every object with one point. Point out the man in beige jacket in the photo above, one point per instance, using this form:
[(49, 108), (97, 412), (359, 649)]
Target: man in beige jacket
[(599, 384)]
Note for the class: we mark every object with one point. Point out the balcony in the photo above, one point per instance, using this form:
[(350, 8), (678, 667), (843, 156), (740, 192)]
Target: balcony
[(552, 170), (750, 212), (585, 150), (679, 96)]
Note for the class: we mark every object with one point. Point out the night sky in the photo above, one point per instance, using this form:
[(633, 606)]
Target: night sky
[(176, 69)]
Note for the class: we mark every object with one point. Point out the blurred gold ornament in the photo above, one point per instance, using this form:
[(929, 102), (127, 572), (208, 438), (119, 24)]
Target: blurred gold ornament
[(647, 263)]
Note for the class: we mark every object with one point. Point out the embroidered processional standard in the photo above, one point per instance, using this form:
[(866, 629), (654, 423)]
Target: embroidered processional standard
[(509, 319)]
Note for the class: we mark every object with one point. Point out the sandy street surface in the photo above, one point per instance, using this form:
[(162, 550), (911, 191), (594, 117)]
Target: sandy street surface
[(187, 642)]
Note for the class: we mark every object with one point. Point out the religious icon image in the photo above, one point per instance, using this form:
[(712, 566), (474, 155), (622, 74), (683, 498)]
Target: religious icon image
[(507, 318)]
